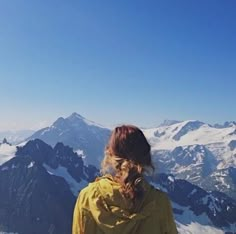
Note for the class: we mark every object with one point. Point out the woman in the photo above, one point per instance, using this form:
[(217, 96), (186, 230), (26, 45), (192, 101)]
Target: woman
[(121, 201)]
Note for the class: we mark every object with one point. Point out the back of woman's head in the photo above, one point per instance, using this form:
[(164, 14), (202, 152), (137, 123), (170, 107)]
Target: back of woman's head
[(129, 142), (127, 156)]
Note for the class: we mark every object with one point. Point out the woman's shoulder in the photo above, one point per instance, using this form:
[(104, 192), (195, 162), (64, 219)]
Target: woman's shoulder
[(87, 194), (90, 189), (95, 188), (99, 190)]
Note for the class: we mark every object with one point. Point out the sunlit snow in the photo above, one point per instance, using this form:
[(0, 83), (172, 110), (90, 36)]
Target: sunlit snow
[(214, 139), (62, 172)]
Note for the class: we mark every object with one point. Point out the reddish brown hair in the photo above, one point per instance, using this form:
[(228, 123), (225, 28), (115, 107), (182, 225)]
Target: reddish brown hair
[(128, 153), (129, 142)]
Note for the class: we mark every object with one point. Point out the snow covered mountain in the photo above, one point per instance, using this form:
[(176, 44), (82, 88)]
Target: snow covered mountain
[(199, 166), (168, 122), (183, 160), (39, 186), (195, 151), (194, 133), (200, 153), (32, 200), (195, 210), (86, 137), (225, 125), (59, 160)]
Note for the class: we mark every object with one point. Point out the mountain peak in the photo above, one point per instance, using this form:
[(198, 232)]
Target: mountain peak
[(190, 125), (226, 124), (196, 123), (59, 123), (5, 141), (76, 118), (75, 115), (168, 122)]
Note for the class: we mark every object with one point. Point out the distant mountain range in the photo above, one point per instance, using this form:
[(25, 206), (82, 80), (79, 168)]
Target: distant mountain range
[(39, 185), (195, 151), (84, 136), (15, 137), (200, 153)]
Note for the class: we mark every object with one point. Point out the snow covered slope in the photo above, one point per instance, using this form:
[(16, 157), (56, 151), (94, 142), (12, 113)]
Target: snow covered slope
[(195, 151), (195, 210), (217, 140)]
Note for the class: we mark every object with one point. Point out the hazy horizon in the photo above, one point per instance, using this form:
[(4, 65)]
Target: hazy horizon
[(44, 124)]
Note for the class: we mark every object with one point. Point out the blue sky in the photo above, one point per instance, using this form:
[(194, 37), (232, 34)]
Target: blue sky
[(117, 62)]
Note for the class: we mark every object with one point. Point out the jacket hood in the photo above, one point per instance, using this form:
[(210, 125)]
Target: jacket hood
[(112, 212)]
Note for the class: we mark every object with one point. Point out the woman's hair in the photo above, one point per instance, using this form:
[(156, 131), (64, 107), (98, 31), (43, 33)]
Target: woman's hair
[(127, 156)]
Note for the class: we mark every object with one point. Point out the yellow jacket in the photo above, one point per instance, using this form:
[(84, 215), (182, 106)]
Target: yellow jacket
[(101, 209)]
